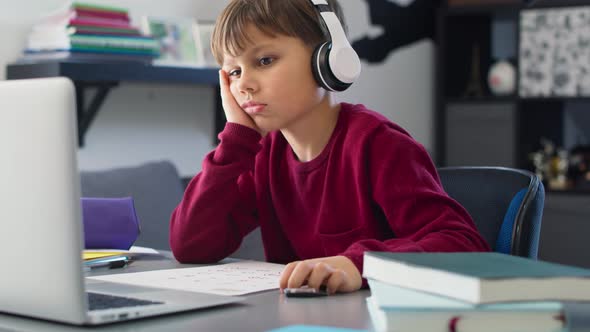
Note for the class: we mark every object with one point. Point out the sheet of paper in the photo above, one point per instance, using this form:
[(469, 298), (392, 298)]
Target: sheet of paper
[(236, 278), (143, 250)]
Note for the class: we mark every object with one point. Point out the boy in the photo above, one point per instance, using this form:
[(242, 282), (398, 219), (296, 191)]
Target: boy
[(325, 182)]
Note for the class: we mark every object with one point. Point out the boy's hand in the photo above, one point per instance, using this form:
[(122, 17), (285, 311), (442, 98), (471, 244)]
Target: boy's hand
[(337, 273), (233, 112)]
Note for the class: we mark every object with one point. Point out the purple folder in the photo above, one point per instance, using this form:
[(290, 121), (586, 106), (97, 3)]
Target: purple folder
[(109, 223)]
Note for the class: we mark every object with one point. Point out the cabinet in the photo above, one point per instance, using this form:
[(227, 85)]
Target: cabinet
[(477, 127), (565, 229), (484, 122)]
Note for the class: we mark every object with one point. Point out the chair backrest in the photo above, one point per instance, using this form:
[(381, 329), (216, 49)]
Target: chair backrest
[(156, 189), (506, 205)]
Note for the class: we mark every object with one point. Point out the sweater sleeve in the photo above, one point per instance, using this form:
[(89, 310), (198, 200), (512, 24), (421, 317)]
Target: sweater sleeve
[(406, 186), (219, 206)]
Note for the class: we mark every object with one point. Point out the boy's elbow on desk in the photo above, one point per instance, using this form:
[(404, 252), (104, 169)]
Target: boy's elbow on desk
[(198, 250), (185, 255)]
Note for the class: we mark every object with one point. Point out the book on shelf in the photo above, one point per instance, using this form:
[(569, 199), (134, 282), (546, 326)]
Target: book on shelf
[(72, 41), (113, 50), (99, 22), (94, 30), (53, 32), (81, 30), (139, 42), (85, 11), (84, 56), (394, 308), (101, 12), (100, 9), (484, 277)]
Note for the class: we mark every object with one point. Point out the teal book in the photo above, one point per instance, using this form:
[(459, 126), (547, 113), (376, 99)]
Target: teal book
[(394, 308), (479, 277)]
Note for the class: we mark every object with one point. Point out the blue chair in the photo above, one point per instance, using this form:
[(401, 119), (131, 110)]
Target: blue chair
[(506, 205)]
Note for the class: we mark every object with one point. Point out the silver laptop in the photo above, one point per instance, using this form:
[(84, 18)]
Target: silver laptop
[(41, 240)]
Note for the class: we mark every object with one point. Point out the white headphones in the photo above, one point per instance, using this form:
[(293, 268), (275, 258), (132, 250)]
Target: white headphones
[(335, 64)]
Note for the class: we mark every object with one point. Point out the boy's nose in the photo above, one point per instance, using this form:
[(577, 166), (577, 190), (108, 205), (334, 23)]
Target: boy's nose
[(247, 84)]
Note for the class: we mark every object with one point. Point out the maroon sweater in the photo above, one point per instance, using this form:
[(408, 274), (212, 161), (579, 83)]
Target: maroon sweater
[(373, 187)]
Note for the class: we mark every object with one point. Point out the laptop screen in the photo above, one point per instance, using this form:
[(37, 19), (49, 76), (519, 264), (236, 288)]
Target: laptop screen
[(40, 218)]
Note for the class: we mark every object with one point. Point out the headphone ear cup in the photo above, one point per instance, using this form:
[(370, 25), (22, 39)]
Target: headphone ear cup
[(317, 64), (322, 72)]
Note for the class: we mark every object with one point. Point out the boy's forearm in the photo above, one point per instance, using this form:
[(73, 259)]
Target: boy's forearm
[(214, 213), (199, 222), (238, 143)]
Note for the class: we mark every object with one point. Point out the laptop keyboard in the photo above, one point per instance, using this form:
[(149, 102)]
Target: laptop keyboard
[(102, 301)]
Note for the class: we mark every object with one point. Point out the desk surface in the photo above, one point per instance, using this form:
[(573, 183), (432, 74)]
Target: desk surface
[(259, 312)]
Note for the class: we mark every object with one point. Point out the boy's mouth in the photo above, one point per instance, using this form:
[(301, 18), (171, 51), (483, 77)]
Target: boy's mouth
[(253, 107)]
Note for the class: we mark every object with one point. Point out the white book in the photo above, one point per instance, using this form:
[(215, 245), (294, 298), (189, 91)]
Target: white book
[(396, 309), (479, 277)]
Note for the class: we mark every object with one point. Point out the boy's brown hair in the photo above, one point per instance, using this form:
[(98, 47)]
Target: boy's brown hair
[(293, 18)]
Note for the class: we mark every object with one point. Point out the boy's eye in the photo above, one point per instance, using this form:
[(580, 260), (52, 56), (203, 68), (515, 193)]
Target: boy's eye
[(234, 72), (265, 61)]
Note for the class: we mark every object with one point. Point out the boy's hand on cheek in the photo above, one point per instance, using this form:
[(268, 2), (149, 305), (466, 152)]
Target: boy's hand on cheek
[(233, 112), (337, 273)]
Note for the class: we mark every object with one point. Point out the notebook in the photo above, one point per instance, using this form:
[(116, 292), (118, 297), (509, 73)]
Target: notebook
[(484, 277), (41, 212)]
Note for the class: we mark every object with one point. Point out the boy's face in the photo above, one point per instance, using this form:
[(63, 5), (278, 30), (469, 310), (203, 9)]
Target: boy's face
[(274, 75)]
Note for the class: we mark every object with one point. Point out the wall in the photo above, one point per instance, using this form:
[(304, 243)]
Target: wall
[(141, 122), (138, 122)]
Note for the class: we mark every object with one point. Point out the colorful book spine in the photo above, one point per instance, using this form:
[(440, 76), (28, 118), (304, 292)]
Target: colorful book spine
[(98, 22), (143, 43), (88, 30), (102, 14), (99, 8), (87, 56), (63, 17), (113, 50)]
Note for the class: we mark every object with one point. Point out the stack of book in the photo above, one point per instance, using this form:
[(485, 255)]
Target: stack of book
[(454, 292), (86, 31)]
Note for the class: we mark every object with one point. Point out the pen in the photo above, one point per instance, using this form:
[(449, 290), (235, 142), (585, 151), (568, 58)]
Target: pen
[(110, 262)]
